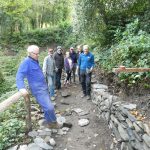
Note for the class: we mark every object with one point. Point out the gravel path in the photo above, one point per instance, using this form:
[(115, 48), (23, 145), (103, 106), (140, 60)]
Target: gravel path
[(95, 136)]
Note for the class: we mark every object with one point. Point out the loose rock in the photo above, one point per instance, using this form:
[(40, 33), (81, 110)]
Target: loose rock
[(41, 143), (83, 122), (52, 142)]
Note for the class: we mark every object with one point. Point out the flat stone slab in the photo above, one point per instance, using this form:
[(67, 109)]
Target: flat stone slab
[(83, 113), (93, 81), (77, 110), (65, 94), (83, 122), (61, 132), (41, 143), (146, 129), (80, 112), (63, 102), (13, 148), (130, 106), (33, 146), (23, 147), (100, 86), (146, 139), (33, 133), (123, 133)]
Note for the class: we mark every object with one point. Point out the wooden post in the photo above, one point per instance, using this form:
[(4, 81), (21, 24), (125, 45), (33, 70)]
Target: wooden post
[(28, 116), (14, 98)]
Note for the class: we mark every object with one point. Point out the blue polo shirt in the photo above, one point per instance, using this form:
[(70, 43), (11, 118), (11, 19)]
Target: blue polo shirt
[(31, 70), (86, 61)]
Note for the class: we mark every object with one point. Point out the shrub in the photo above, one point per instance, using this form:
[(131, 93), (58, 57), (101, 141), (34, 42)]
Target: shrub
[(131, 51)]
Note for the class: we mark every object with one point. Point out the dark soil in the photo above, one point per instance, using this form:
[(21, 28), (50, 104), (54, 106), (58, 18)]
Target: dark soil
[(95, 136), (136, 94)]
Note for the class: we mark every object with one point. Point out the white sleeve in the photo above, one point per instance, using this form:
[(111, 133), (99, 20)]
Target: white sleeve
[(45, 66)]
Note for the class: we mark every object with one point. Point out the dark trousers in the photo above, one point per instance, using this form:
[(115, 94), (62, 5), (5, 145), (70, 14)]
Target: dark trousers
[(79, 75), (86, 82), (58, 79), (68, 75), (73, 72)]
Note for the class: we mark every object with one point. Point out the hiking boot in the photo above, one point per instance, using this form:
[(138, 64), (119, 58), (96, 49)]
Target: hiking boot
[(88, 97), (54, 125)]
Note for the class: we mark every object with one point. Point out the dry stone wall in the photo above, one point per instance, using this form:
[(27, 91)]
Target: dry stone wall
[(129, 130)]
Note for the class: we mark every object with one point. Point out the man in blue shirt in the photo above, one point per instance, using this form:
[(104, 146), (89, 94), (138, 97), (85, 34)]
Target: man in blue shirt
[(31, 70), (86, 64)]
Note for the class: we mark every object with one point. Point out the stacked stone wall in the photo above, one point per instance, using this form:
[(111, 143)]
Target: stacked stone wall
[(127, 127)]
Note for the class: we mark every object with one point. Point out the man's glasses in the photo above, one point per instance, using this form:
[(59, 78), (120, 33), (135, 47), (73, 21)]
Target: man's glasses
[(50, 51), (36, 53)]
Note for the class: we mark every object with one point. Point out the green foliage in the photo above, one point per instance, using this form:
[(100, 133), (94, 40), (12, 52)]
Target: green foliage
[(8, 66), (19, 16), (11, 132), (3, 88), (132, 50), (40, 37), (12, 125), (1, 78), (99, 19)]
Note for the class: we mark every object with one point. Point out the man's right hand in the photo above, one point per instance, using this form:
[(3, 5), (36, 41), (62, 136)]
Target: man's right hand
[(24, 92), (77, 70), (56, 69)]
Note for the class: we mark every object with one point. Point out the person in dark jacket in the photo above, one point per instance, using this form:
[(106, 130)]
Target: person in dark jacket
[(74, 58), (31, 70), (68, 67), (59, 62)]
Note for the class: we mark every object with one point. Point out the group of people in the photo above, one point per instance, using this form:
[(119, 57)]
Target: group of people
[(42, 83)]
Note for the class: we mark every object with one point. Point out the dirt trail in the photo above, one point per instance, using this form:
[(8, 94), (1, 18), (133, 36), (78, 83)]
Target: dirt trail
[(95, 136)]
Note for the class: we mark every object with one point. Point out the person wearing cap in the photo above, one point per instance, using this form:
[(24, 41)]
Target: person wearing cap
[(49, 72), (86, 65), (74, 58), (59, 61), (31, 70)]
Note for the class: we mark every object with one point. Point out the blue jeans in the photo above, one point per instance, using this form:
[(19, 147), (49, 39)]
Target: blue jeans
[(43, 98), (85, 82), (51, 84)]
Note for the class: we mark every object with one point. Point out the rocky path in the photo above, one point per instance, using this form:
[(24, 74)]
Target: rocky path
[(94, 136), (92, 133)]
